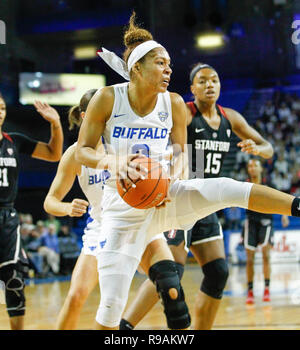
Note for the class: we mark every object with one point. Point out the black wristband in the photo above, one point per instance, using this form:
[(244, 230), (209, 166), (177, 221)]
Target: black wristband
[(295, 211)]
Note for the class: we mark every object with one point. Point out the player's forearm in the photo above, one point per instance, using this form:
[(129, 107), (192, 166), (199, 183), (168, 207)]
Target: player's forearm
[(54, 206), (89, 157), (265, 150), (55, 145)]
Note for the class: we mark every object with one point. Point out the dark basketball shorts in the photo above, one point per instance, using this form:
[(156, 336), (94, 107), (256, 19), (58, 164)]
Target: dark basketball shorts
[(11, 250), (205, 230), (257, 233)]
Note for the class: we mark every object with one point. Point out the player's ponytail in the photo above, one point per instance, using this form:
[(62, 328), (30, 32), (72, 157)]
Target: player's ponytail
[(74, 115), (134, 36)]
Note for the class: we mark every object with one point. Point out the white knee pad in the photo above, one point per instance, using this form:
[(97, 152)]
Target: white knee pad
[(116, 272), (234, 193), (219, 193), (114, 299)]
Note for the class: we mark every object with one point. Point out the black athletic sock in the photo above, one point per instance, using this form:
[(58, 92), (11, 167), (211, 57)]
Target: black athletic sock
[(295, 210), (125, 325), (250, 285), (267, 283)]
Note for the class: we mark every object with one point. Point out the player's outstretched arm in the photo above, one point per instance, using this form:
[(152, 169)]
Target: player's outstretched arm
[(52, 150)]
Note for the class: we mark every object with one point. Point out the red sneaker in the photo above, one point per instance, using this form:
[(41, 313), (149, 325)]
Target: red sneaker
[(250, 297), (266, 296)]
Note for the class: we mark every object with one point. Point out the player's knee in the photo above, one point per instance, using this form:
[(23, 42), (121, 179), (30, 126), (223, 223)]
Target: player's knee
[(165, 276), (250, 259), (233, 193), (266, 258), (77, 297), (215, 278), (14, 292), (110, 311)]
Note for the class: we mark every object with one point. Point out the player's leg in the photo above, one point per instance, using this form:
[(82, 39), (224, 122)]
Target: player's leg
[(13, 266), (250, 236), (266, 234), (115, 273), (143, 302), (267, 271), (250, 275), (198, 198), (211, 257), (159, 264), (147, 295), (80, 288), (12, 276), (268, 200)]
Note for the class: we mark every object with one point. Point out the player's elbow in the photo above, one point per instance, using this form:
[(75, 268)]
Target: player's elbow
[(78, 155), (55, 157), (46, 205)]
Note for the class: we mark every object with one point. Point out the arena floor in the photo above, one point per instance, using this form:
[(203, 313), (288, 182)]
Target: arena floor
[(44, 301)]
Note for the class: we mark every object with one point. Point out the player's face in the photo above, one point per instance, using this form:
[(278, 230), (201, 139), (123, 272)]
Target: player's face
[(254, 168), (206, 85), (2, 111), (155, 69)]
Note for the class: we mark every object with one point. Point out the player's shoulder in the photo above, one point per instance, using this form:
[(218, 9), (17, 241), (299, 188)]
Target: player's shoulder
[(7, 136), (229, 112), (68, 160), (69, 154), (233, 116), (106, 92), (176, 98)]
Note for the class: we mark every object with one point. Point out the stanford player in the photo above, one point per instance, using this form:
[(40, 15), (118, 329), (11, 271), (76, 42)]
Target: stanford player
[(12, 257)]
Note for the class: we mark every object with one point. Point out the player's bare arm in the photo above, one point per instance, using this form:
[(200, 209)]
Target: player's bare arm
[(92, 128), (252, 142), (64, 179), (52, 150), (179, 136)]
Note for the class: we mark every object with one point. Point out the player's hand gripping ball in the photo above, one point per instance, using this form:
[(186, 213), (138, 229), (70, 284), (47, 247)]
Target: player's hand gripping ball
[(149, 192)]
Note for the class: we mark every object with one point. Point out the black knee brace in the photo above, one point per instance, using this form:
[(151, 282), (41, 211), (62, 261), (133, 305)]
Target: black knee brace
[(165, 276), (215, 278), (180, 270), (14, 290)]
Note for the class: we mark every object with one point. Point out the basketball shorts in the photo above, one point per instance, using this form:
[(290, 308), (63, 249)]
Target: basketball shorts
[(257, 233), (11, 250), (90, 237), (205, 230)]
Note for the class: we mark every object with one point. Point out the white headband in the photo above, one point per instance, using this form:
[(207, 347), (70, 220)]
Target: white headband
[(119, 65)]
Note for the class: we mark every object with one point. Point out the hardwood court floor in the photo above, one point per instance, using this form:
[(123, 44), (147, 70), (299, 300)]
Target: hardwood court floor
[(282, 313)]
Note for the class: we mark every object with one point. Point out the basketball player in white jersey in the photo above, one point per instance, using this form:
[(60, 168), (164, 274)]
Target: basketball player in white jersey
[(137, 115), (91, 182)]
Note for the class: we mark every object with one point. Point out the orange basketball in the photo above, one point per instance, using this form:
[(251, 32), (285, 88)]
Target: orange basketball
[(150, 192)]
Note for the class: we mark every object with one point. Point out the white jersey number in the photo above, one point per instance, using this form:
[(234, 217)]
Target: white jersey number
[(213, 163), (3, 178), (141, 148)]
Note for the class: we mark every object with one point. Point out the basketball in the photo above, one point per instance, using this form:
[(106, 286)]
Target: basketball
[(150, 192)]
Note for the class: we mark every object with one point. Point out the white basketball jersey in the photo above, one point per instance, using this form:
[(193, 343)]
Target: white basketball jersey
[(126, 132), (91, 182)]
